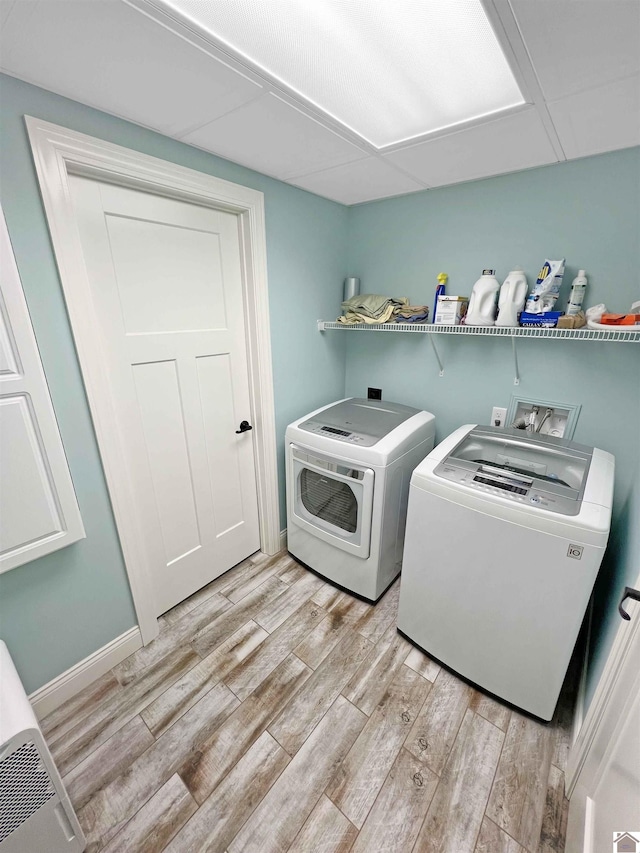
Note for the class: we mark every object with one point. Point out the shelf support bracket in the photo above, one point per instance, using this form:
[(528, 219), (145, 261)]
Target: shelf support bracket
[(437, 355), (516, 379), (320, 325)]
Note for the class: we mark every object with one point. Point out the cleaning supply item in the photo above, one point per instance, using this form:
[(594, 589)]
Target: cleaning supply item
[(620, 319), (545, 292), (512, 296), (484, 300), (598, 317), (440, 289), (578, 287), (451, 310), (545, 318), (575, 321)]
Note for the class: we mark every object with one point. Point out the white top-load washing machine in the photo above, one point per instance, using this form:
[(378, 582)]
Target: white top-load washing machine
[(348, 471), (505, 534)]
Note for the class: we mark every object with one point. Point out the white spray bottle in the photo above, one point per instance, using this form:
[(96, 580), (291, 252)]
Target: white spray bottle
[(578, 287), (512, 298)]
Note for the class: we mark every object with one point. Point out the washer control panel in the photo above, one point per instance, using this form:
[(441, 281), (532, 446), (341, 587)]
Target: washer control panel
[(514, 487)]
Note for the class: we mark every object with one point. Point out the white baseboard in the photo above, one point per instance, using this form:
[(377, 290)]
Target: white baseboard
[(283, 539), (52, 695)]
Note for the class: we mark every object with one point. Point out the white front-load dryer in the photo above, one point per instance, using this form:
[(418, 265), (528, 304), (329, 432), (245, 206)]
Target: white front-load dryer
[(506, 531), (348, 471)]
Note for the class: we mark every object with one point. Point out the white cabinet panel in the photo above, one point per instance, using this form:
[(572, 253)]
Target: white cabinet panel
[(28, 509), (38, 508)]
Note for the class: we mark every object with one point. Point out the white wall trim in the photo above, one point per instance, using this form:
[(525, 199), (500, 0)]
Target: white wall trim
[(579, 711), (59, 152), (52, 695), (581, 695), (283, 539), (615, 662)]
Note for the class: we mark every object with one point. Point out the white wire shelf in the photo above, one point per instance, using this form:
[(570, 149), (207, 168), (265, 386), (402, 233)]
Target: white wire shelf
[(584, 334), (615, 334)]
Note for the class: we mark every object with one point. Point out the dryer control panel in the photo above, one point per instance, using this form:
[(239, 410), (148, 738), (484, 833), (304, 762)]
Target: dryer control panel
[(358, 421), (339, 434)]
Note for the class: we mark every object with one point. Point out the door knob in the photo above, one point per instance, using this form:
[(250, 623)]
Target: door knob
[(245, 426), (629, 592)]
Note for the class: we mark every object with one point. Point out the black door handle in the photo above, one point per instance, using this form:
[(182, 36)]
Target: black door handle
[(245, 426), (629, 592)]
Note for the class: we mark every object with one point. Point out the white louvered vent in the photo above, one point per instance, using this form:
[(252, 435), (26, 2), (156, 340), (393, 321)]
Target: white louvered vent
[(36, 815), (24, 787)]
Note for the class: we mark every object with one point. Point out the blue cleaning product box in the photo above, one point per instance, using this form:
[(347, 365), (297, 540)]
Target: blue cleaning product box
[(547, 318)]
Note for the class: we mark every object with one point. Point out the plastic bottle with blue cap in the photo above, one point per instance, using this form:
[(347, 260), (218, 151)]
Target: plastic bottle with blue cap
[(442, 279)]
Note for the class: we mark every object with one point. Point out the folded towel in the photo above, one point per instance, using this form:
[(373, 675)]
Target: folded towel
[(371, 308), (412, 314), (410, 310), (413, 318)]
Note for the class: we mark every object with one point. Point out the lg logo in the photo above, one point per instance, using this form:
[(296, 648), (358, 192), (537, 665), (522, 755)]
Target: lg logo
[(575, 552)]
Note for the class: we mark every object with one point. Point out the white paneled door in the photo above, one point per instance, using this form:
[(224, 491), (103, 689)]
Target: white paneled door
[(38, 509), (166, 285)]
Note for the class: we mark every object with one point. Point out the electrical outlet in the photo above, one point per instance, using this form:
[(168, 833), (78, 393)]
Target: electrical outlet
[(498, 416), (374, 393)]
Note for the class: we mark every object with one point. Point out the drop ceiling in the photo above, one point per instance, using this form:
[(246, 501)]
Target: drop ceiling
[(576, 62)]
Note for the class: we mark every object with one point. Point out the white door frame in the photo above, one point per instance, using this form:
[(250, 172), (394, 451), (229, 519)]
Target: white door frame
[(623, 641), (59, 152), (592, 748)]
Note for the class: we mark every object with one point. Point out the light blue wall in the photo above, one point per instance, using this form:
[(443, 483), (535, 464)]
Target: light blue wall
[(61, 608), (587, 211)]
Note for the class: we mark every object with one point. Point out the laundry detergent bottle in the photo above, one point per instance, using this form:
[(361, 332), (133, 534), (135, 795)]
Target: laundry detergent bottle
[(484, 300), (512, 298)]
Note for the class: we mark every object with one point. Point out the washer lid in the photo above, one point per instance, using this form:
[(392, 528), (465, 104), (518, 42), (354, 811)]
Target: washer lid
[(359, 420), (523, 466)]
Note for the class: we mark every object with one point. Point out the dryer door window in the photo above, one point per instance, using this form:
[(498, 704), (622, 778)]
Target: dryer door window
[(332, 500), (329, 499)]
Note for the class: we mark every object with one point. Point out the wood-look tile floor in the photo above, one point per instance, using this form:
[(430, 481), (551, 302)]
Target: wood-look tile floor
[(277, 713)]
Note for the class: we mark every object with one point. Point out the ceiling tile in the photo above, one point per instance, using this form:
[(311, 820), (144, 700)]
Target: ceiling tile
[(108, 55), (578, 45), (365, 180), (5, 9), (112, 56), (274, 137), (599, 120), (505, 145)]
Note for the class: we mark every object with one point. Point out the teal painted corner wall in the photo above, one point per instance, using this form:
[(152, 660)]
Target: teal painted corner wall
[(587, 211), (59, 609)]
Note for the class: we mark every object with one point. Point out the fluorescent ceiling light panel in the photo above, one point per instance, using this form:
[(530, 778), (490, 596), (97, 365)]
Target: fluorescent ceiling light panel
[(390, 70)]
